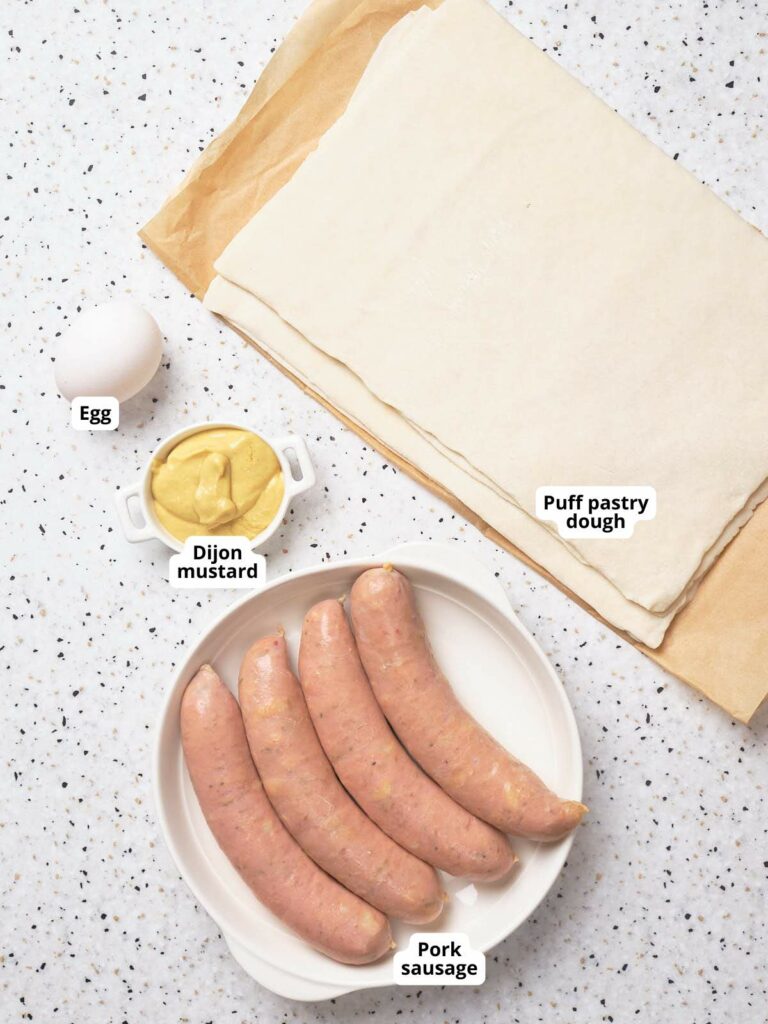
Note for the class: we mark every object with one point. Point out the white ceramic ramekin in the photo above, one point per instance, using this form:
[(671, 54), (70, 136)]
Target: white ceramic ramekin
[(141, 491)]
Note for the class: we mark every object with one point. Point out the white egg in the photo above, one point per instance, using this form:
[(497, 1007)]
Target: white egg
[(112, 349)]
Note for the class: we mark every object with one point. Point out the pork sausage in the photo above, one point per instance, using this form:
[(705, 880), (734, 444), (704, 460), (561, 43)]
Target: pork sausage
[(373, 766), (310, 800), (245, 826), (440, 734)]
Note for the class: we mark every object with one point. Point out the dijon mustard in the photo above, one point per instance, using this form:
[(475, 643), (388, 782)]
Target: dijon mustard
[(220, 482)]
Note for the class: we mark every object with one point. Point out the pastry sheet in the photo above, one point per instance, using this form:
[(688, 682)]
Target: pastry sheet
[(339, 387), (719, 643), (278, 126), (544, 292)]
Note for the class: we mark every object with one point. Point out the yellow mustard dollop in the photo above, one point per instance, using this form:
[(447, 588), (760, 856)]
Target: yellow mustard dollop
[(221, 481)]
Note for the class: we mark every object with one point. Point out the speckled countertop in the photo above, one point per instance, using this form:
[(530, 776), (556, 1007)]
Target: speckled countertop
[(661, 911)]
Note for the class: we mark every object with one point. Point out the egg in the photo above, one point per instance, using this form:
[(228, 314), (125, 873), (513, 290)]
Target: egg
[(112, 349)]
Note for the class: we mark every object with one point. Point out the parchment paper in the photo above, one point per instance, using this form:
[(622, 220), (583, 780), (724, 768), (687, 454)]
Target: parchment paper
[(719, 643), (302, 91)]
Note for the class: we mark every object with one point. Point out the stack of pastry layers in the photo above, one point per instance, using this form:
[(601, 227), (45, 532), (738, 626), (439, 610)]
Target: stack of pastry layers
[(495, 276)]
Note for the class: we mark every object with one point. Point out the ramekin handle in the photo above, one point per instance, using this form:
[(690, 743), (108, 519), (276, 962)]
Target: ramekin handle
[(133, 533), (296, 485)]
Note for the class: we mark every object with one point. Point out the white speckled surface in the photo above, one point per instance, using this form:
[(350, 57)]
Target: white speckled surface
[(661, 911)]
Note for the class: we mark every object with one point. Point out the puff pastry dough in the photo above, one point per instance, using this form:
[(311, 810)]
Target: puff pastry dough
[(532, 289)]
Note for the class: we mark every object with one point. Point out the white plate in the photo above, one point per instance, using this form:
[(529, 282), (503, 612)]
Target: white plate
[(500, 675)]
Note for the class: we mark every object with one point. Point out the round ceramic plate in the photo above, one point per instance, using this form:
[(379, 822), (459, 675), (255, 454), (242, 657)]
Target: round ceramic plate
[(501, 677)]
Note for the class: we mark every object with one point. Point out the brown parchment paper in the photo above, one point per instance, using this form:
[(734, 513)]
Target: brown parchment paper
[(718, 644)]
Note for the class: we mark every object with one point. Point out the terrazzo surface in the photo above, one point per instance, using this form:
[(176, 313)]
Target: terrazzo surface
[(660, 913)]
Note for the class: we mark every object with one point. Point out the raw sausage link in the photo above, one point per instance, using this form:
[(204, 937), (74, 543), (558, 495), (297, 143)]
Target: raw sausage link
[(444, 738), (369, 760), (310, 800), (249, 832)]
